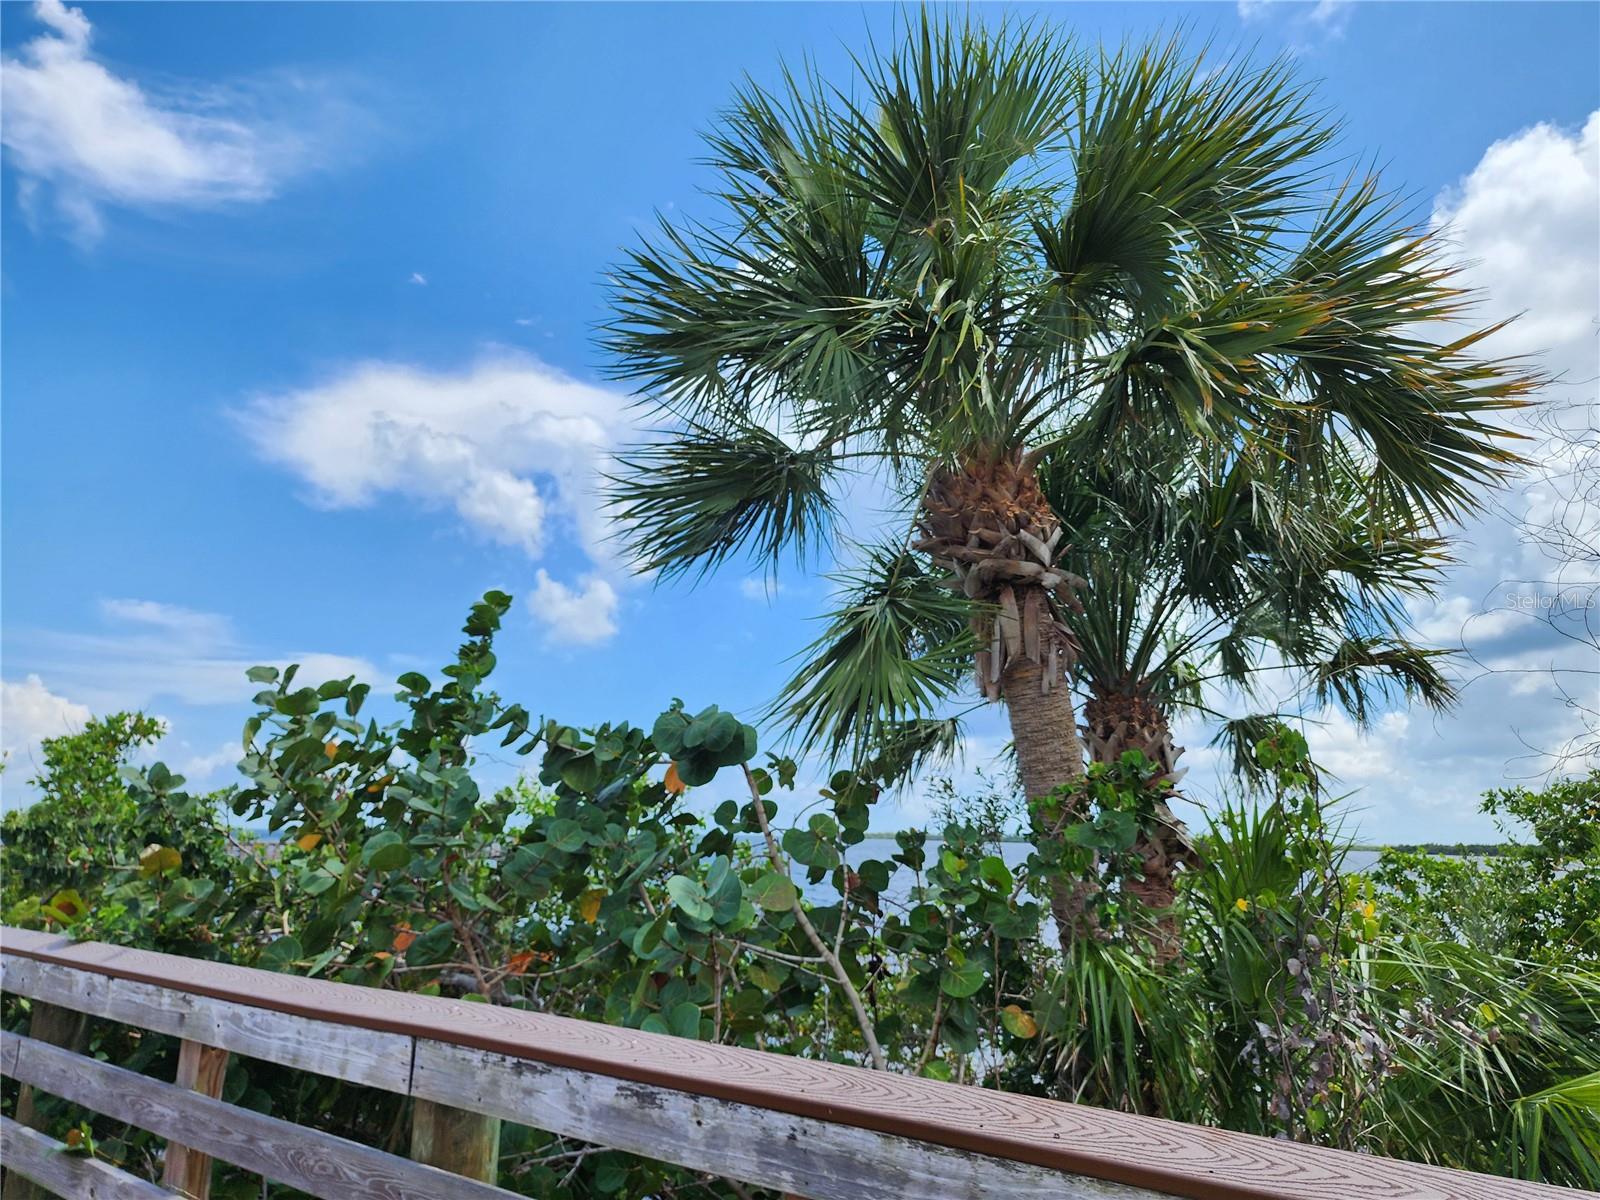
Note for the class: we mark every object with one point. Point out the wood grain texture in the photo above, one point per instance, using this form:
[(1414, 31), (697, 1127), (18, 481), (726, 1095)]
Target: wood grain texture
[(799, 1155), (60, 1025), (202, 1069), (456, 1140), (1164, 1156), (40, 1159), (368, 1057), (315, 1162)]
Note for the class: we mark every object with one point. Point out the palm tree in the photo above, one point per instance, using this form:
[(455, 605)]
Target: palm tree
[(1000, 242), (1206, 574)]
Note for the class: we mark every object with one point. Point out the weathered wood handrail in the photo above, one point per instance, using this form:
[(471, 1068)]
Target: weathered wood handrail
[(815, 1129)]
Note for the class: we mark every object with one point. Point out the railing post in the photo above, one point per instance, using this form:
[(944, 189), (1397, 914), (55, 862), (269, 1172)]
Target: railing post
[(202, 1069), (60, 1027), (454, 1140)]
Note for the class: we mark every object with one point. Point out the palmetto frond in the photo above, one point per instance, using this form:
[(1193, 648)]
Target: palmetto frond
[(687, 504), (895, 648), (1361, 670)]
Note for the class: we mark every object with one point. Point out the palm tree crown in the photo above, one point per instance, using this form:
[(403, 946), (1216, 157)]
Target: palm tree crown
[(1001, 243)]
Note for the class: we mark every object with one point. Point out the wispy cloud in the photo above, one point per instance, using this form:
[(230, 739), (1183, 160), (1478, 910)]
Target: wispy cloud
[(83, 137), (1306, 22)]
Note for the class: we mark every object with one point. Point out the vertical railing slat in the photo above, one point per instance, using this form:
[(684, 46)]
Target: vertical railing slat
[(454, 1140), (202, 1069)]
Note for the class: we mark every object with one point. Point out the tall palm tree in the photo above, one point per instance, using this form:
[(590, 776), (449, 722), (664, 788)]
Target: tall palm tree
[(1207, 574), (998, 241)]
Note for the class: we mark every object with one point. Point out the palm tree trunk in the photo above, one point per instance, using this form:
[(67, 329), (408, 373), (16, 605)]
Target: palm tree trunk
[(1044, 730), (1113, 725)]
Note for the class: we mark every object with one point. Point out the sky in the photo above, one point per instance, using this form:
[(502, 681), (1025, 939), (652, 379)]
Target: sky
[(298, 358)]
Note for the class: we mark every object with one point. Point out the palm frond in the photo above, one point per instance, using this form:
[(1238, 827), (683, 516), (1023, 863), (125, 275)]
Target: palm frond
[(1361, 670), (898, 645), (687, 504)]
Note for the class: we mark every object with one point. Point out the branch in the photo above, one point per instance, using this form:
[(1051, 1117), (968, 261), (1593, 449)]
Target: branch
[(828, 956)]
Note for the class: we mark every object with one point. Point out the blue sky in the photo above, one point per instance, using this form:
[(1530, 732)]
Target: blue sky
[(298, 349)]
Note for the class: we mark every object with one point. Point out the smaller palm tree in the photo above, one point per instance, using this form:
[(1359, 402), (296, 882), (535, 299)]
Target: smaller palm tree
[(1204, 577)]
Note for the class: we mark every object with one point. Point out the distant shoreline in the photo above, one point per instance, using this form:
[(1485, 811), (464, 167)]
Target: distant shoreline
[(1451, 849)]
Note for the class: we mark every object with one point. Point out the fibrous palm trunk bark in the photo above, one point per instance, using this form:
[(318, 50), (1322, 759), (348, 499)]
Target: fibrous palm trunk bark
[(1114, 724), (987, 521)]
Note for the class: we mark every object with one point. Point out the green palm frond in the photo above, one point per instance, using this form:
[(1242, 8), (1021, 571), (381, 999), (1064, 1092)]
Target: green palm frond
[(1238, 737), (895, 648), (1362, 670), (1559, 1122), (1173, 160), (687, 504), (907, 748)]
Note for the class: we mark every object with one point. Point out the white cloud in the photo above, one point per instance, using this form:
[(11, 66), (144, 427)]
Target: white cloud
[(1451, 620), (506, 443), (152, 652), (184, 623), (87, 137), (200, 769), (29, 713), (1326, 18), (580, 616), (418, 278)]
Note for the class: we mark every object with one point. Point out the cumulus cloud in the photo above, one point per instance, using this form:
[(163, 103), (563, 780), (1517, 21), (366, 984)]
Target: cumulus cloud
[(84, 137), (574, 616), (510, 446), (29, 713), (1527, 221)]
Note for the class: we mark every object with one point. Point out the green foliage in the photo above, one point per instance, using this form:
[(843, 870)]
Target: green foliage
[(1328, 1007), (1308, 1002), (1537, 900)]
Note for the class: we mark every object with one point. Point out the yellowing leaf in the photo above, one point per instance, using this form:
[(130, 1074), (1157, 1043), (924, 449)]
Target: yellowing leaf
[(159, 860), (674, 782), (1018, 1022), (589, 904), (517, 964), (331, 749), (308, 841), (403, 937)]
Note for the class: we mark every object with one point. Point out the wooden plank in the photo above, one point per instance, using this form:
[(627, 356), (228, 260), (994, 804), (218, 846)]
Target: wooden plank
[(315, 1162), (801, 1155), (368, 1057), (455, 1140), (40, 1159), (201, 1069), (1164, 1156), (59, 1026)]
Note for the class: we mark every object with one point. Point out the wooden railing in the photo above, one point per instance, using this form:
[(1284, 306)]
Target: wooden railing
[(811, 1129)]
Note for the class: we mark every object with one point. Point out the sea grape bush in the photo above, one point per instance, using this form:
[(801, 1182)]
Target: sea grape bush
[(600, 891)]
